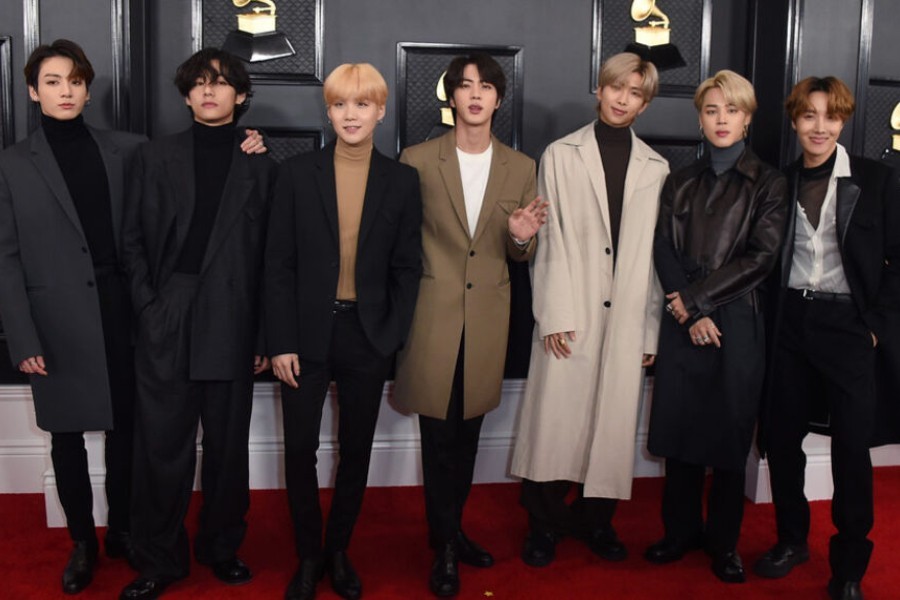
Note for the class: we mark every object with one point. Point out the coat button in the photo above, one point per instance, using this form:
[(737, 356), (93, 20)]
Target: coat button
[(607, 304), (468, 286), (471, 253), (90, 284), (608, 251)]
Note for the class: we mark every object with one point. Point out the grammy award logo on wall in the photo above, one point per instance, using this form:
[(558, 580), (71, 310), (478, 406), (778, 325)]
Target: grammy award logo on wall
[(653, 40), (256, 38)]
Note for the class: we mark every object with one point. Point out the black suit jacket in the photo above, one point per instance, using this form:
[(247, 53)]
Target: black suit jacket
[(48, 299), (225, 324), (303, 255), (868, 229)]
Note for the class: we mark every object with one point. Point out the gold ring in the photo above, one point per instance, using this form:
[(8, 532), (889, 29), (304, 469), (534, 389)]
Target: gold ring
[(562, 341)]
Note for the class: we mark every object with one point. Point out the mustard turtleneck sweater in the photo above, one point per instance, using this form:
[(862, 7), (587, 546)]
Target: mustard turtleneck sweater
[(351, 171)]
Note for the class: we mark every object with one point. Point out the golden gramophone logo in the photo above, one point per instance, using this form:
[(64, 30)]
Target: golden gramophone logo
[(653, 41), (256, 38), (895, 125), (447, 121)]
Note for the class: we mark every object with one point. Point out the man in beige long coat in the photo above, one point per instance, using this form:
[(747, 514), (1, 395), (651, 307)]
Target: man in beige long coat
[(479, 207), (597, 307)]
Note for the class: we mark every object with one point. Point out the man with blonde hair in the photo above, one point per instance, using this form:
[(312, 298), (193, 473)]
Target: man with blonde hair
[(597, 309)]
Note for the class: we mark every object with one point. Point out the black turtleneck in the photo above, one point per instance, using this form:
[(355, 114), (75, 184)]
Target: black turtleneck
[(213, 147), (722, 159), (615, 151), (814, 187), (84, 172)]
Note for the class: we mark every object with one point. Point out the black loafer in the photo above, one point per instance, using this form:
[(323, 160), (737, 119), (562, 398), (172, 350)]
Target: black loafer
[(344, 580), (669, 550), (233, 571), (144, 588), (303, 583), (539, 548), (471, 553), (444, 579), (118, 544), (729, 568), (844, 590), (606, 544), (79, 571), (780, 559)]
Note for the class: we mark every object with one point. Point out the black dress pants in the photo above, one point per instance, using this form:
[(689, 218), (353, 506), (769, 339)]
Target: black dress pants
[(824, 353), (548, 511), (68, 453), (682, 506), (169, 408), (449, 449), (359, 372)]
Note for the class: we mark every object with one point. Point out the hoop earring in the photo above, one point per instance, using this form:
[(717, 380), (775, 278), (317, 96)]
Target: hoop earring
[(702, 137), (746, 131)]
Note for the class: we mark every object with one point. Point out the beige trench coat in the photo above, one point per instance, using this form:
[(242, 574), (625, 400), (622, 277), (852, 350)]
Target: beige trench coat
[(465, 280), (579, 415)]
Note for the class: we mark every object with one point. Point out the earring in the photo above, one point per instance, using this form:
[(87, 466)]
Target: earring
[(746, 130), (380, 121), (702, 137)]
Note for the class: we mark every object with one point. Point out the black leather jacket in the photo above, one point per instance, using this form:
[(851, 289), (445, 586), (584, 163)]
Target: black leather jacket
[(718, 237)]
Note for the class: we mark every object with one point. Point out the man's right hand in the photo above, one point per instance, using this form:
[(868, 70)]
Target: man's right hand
[(558, 344), (33, 366), (286, 367)]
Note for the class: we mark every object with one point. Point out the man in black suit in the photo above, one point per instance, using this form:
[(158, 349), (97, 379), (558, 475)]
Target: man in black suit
[(193, 246), (837, 291), (343, 264), (63, 298)]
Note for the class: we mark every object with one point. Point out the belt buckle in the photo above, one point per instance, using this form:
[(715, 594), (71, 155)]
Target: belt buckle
[(808, 294)]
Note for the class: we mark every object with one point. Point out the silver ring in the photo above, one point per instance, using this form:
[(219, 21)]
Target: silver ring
[(698, 339), (706, 339), (670, 308)]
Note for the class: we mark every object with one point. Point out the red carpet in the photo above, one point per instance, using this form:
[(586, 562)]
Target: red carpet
[(390, 552)]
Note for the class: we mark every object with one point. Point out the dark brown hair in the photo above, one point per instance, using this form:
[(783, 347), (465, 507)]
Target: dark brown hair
[(489, 69), (66, 48), (200, 67)]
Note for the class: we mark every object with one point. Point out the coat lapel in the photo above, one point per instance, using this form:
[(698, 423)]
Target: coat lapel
[(847, 195), (180, 170), (787, 248), (112, 162), (637, 160), (327, 189), (449, 169), (376, 185), (46, 164), (590, 155), (238, 186), (496, 180)]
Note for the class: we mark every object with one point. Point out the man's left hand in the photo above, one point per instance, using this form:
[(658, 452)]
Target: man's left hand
[(253, 143), (524, 223)]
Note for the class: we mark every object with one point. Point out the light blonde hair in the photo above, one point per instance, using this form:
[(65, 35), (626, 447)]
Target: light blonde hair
[(619, 66), (736, 89), (355, 80)]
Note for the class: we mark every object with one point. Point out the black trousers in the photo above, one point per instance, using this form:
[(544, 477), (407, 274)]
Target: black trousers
[(449, 449), (682, 506), (359, 373), (824, 353), (68, 453), (548, 511), (169, 409)]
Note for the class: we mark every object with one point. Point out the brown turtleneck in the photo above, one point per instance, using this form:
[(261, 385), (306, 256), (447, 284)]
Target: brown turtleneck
[(351, 171)]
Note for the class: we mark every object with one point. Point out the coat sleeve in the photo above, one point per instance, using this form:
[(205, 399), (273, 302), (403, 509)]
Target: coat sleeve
[(666, 257), (280, 274), (553, 303), (134, 249), (406, 259), (271, 171), (886, 308), (748, 270), (513, 250), (15, 308)]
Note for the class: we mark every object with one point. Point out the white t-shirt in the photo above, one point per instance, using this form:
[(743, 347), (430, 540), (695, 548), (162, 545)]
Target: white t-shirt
[(474, 170)]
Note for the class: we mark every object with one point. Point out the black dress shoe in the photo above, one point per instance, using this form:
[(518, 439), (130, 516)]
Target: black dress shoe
[(539, 548), (303, 583), (79, 570), (444, 579), (118, 544), (844, 590), (729, 568), (144, 588), (344, 580), (471, 553), (669, 550), (233, 571), (780, 559), (606, 544)]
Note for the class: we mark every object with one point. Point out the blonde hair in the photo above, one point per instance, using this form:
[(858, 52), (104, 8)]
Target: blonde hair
[(736, 89), (355, 80), (619, 66)]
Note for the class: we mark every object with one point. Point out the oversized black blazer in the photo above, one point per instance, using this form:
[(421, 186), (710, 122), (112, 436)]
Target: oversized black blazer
[(226, 328), (48, 299), (868, 229), (303, 255)]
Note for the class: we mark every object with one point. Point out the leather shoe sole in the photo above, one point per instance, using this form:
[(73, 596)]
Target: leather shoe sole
[(780, 560)]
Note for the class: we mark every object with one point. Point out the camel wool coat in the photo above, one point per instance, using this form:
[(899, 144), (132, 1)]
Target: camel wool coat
[(579, 415), (465, 280)]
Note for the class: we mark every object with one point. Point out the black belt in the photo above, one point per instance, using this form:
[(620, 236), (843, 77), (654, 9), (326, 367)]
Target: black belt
[(343, 306), (829, 296)]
